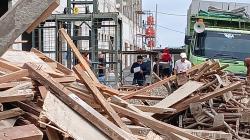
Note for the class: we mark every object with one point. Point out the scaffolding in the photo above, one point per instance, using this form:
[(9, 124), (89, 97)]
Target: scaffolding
[(86, 29)]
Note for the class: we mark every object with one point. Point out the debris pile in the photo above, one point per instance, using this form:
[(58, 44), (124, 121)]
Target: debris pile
[(42, 95)]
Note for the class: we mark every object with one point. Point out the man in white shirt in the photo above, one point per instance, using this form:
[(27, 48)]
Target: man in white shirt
[(182, 65)]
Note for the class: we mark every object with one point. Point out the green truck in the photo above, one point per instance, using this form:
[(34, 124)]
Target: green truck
[(219, 31)]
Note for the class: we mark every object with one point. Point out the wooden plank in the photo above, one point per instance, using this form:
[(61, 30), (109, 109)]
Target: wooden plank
[(43, 91), (28, 108), (8, 66), (83, 62), (26, 132), (24, 14), (75, 103), (157, 110), (8, 85), (11, 113), (245, 117), (146, 97), (218, 120), (220, 91), (107, 89), (150, 87), (210, 134), (14, 76), (18, 93), (52, 134), (66, 79), (181, 93), (160, 127), (181, 78), (121, 102), (69, 121), (148, 120), (103, 88), (100, 98), (185, 103), (139, 130), (230, 129), (19, 58), (88, 98), (152, 136), (7, 123), (201, 73), (60, 67)]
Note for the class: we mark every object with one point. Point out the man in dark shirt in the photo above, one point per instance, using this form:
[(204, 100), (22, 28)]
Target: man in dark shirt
[(101, 71), (139, 70)]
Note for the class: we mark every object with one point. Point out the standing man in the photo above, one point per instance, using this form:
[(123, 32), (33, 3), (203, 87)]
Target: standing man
[(101, 69), (139, 70), (182, 65), (166, 63)]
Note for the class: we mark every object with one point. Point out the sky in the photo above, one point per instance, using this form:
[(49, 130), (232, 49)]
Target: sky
[(171, 29)]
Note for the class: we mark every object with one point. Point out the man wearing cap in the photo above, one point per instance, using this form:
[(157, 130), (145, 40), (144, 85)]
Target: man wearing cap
[(182, 65)]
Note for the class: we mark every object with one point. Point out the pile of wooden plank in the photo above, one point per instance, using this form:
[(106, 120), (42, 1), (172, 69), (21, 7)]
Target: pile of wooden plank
[(42, 99)]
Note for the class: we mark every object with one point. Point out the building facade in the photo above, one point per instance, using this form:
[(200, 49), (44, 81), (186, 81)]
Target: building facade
[(131, 27)]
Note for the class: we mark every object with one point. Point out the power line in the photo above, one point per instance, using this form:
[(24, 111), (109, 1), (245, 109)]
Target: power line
[(171, 29), (170, 14)]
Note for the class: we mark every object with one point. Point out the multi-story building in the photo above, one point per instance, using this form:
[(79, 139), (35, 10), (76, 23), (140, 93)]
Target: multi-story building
[(131, 25), (46, 39)]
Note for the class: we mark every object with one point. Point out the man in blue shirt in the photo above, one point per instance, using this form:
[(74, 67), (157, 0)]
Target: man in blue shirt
[(139, 70)]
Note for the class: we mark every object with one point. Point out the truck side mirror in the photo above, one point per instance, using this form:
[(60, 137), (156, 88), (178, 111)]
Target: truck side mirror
[(188, 40)]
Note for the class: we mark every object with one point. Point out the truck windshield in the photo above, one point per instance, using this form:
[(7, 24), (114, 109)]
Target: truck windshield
[(220, 45)]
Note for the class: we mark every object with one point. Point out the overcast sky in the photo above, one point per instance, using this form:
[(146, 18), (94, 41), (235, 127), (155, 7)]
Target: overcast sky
[(166, 23)]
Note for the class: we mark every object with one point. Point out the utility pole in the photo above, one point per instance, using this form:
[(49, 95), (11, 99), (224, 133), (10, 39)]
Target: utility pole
[(68, 12), (156, 22)]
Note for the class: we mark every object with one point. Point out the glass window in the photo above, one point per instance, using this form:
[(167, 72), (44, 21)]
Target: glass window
[(223, 45)]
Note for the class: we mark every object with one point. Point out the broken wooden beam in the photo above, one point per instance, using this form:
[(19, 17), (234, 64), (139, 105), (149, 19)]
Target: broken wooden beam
[(60, 67), (160, 127), (181, 93), (14, 76), (153, 109), (26, 132), (152, 136), (18, 93), (220, 91), (83, 62), (210, 134), (15, 112), (7, 66), (77, 104), (100, 98)]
